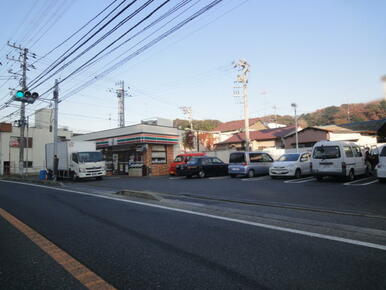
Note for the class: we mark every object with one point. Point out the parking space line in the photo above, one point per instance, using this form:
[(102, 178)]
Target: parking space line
[(300, 180), (357, 181), (266, 177), (363, 184), (218, 177)]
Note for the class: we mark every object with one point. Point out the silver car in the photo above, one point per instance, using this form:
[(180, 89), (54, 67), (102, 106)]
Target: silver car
[(249, 164)]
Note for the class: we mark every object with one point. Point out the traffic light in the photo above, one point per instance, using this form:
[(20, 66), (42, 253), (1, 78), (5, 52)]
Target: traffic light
[(26, 96)]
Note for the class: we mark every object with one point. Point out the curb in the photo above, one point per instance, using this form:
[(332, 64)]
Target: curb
[(44, 182)]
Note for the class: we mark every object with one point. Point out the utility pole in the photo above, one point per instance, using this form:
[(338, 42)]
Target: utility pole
[(23, 83), (383, 79), (243, 67), (293, 105), (56, 103)]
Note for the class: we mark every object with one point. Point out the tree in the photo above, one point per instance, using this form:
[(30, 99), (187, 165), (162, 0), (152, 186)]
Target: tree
[(188, 139)]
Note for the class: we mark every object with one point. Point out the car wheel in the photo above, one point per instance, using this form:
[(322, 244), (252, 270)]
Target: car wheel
[(201, 174), (233, 175), (250, 173), (319, 178), (273, 177), (382, 180), (351, 175), (298, 173)]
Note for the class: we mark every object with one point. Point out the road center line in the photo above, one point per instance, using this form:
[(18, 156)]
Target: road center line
[(79, 271), (267, 226)]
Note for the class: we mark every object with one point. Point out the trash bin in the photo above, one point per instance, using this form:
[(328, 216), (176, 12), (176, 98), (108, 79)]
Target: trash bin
[(43, 175)]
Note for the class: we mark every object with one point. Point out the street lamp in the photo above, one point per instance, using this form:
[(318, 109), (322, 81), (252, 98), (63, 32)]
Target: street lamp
[(293, 105), (383, 79)]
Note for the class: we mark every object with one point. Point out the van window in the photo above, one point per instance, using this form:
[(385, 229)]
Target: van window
[(326, 152), (256, 157), (348, 151), (237, 158), (266, 158), (357, 151), (179, 158), (383, 152)]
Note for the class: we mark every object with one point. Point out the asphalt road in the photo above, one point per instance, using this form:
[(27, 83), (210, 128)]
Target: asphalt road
[(134, 246)]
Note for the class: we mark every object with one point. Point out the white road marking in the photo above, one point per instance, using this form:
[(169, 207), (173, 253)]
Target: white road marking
[(219, 177), (266, 177), (266, 226), (357, 181), (363, 184), (176, 177), (300, 180)]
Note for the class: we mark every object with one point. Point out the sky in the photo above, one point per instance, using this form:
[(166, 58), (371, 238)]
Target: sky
[(313, 53)]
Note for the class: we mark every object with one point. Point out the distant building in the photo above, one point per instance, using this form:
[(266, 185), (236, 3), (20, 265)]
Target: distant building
[(35, 139), (370, 128), (310, 135), (150, 145), (263, 139)]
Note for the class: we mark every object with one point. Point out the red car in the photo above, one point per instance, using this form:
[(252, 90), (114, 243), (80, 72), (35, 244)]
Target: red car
[(182, 159)]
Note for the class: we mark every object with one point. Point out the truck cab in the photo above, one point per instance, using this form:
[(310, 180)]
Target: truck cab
[(87, 164)]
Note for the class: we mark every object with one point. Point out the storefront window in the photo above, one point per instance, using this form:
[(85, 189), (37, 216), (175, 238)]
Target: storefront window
[(158, 154)]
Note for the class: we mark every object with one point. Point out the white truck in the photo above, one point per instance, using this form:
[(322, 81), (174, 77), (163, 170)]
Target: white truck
[(77, 159)]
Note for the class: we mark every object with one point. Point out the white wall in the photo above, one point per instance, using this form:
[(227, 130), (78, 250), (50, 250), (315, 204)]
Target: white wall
[(36, 154)]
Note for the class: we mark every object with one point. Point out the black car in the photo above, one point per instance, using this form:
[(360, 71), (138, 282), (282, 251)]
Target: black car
[(203, 166)]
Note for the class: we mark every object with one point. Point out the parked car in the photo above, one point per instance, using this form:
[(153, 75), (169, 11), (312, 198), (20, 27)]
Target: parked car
[(203, 166), (381, 166), (291, 164), (182, 159), (249, 164), (338, 158)]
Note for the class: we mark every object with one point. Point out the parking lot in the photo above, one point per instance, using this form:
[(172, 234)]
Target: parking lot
[(364, 195)]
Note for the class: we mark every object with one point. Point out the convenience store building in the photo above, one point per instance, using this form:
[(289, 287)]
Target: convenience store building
[(138, 150)]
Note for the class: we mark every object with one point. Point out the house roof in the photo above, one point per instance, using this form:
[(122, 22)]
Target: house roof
[(267, 134), (235, 125), (326, 128), (365, 126)]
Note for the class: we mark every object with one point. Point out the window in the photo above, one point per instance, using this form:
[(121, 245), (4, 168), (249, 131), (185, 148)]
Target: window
[(266, 158), (289, 157), (326, 152), (383, 152), (348, 151), (305, 157), (216, 161), (179, 158), (27, 164), (75, 157), (206, 161), (237, 158), (158, 154), (256, 157), (357, 151), (90, 156)]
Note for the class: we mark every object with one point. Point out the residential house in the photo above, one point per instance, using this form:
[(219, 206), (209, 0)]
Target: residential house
[(307, 137), (369, 128), (259, 140)]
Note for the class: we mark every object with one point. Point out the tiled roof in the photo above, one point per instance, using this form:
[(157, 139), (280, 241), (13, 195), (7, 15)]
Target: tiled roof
[(267, 134), (234, 125), (365, 126)]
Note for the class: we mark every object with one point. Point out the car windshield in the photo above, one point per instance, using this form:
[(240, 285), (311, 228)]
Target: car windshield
[(179, 158), (326, 152), (237, 158), (194, 161), (383, 152), (289, 157), (90, 156)]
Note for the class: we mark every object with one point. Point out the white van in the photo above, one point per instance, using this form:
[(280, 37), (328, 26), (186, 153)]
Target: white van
[(381, 167), (338, 158)]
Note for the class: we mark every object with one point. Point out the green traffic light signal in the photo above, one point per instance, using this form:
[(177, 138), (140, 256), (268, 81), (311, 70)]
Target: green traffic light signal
[(19, 95)]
